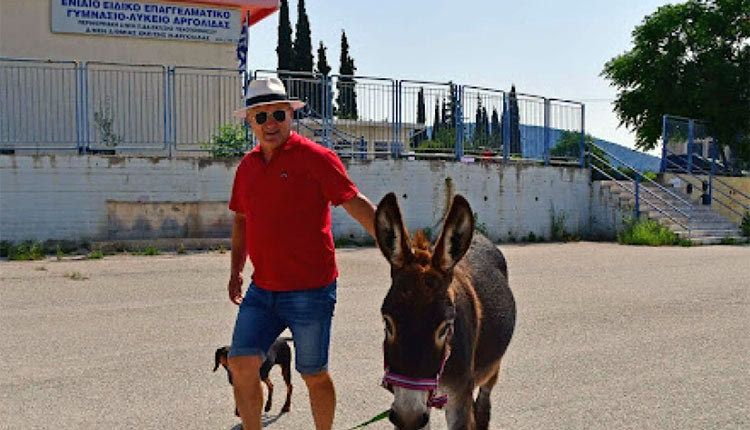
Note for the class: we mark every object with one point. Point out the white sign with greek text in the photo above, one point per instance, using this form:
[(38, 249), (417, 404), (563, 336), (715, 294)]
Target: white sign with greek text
[(146, 20)]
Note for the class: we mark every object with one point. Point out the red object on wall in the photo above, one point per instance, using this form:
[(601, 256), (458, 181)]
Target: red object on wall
[(258, 9)]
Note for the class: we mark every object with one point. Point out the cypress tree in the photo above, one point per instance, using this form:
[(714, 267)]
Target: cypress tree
[(496, 136), (347, 98), (284, 50), (485, 124), (436, 120), (479, 135), (303, 58), (420, 107), (317, 98), (322, 67), (515, 130), (449, 111)]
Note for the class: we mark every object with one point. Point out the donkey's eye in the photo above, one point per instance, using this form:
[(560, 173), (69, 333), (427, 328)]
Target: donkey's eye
[(388, 326), (445, 329)]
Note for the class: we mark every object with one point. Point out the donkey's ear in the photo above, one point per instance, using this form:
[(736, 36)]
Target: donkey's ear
[(455, 238), (390, 233)]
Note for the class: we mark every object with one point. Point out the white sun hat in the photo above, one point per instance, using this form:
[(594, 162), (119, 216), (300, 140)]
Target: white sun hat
[(264, 92)]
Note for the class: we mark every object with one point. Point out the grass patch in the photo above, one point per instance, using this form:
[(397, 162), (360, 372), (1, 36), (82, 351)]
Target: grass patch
[(27, 251), (148, 251), (646, 232), (729, 241), (95, 255)]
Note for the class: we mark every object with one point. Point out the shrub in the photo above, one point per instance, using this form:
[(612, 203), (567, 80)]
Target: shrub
[(646, 232), (745, 225), (230, 141), (95, 255), (149, 251), (26, 251)]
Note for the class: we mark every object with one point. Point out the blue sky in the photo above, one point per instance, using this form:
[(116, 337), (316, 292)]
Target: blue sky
[(548, 48)]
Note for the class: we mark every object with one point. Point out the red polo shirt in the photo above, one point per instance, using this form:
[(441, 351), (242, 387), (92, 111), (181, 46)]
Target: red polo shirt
[(288, 217)]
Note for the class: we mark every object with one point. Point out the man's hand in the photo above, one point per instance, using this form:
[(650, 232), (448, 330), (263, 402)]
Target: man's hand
[(235, 288)]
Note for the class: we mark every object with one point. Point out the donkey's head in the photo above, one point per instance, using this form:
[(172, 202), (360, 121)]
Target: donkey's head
[(418, 311)]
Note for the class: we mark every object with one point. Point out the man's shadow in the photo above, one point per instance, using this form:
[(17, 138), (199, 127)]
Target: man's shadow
[(266, 420)]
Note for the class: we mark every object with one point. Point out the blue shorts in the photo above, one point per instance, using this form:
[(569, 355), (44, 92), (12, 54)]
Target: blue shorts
[(264, 314)]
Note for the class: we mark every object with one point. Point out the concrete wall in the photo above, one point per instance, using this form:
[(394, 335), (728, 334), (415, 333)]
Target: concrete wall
[(25, 32), (92, 197)]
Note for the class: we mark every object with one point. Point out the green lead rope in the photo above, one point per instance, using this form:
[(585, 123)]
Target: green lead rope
[(374, 419)]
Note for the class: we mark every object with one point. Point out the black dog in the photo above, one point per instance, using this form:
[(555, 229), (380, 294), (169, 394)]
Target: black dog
[(280, 354)]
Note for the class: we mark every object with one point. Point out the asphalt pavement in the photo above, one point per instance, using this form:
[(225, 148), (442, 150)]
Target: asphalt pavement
[(607, 337)]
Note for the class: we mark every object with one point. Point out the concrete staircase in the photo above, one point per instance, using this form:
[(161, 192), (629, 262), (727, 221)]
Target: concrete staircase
[(690, 221)]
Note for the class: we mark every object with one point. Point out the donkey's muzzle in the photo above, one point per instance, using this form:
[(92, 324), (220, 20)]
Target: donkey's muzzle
[(397, 421)]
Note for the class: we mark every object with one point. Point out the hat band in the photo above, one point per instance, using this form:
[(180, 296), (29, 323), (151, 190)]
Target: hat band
[(265, 98)]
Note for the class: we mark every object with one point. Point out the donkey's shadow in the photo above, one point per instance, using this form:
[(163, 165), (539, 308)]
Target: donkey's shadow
[(266, 421)]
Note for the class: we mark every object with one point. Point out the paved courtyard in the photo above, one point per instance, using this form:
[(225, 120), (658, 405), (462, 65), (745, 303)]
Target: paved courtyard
[(608, 337)]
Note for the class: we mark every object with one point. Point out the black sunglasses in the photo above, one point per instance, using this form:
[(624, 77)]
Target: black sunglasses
[(262, 117)]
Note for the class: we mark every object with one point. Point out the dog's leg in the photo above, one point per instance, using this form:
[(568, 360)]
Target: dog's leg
[(286, 373), (268, 383)]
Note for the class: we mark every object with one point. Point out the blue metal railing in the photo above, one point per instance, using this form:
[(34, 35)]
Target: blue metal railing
[(99, 106), (689, 174), (637, 189), (681, 132)]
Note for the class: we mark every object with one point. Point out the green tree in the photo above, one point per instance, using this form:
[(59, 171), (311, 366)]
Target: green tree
[(284, 50), (690, 59), (322, 67), (436, 121), (421, 119), (515, 120), (303, 58), (347, 98), (496, 132), (317, 95), (569, 145)]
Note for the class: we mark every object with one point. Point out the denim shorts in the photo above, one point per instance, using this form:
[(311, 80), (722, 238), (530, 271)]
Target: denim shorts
[(264, 314)]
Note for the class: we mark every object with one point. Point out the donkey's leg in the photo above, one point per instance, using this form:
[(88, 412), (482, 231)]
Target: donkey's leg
[(459, 412), (482, 403)]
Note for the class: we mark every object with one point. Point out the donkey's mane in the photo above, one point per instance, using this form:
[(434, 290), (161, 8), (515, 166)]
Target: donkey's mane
[(422, 253)]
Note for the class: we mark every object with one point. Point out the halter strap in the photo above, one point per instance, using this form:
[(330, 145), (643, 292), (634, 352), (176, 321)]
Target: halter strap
[(420, 384)]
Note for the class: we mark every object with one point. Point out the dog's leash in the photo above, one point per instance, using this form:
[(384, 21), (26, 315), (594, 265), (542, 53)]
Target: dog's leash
[(374, 419)]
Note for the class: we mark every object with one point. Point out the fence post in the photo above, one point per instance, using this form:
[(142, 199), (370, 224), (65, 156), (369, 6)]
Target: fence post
[(85, 106), (459, 120), (546, 131), (664, 139), (168, 109), (506, 129), (583, 136), (396, 120), (79, 107), (712, 173), (690, 147), (637, 196)]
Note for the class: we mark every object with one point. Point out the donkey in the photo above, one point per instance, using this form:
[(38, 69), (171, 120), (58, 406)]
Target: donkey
[(448, 319)]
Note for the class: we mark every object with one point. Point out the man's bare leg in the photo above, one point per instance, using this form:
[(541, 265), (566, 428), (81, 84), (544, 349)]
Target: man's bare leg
[(248, 394), (322, 399)]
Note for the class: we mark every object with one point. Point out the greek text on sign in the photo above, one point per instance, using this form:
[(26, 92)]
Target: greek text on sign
[(146, 20)]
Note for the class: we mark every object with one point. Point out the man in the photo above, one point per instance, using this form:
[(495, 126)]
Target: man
[(281, 197)]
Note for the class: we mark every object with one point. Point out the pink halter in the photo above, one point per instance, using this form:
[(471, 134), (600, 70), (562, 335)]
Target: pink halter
[(421, 384)]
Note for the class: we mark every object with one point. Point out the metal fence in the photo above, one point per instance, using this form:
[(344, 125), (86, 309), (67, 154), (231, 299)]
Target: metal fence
[(109, 108), (693, 155)]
